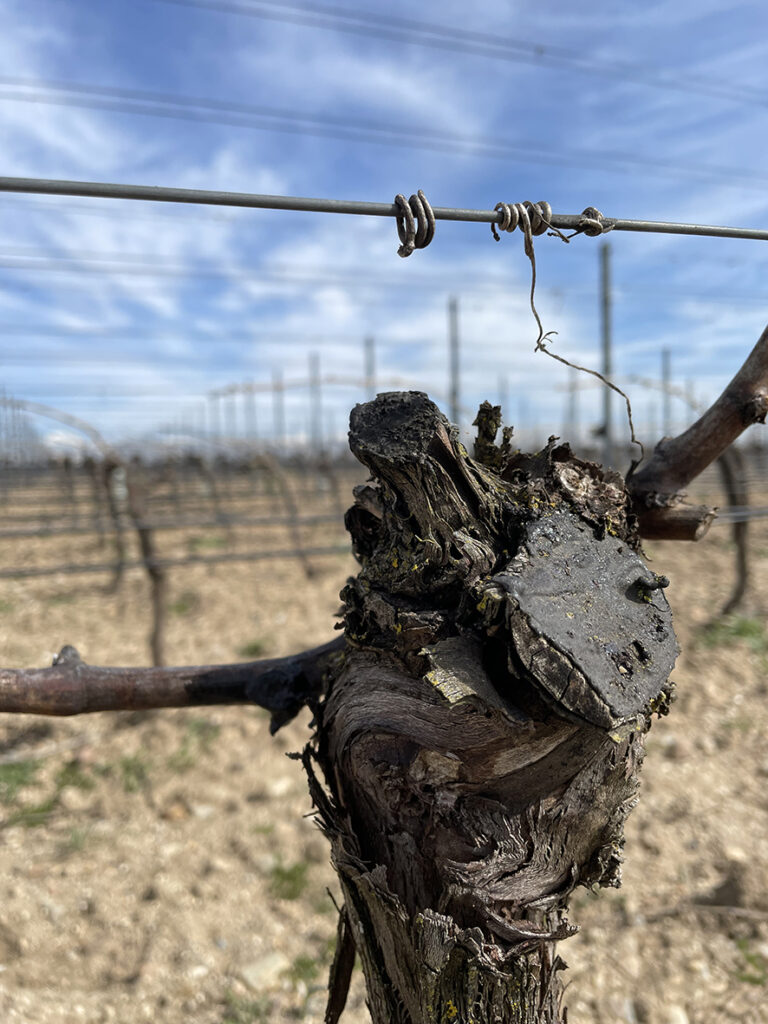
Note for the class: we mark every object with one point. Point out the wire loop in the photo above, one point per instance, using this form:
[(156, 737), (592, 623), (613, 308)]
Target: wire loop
[(527, 215), (415, 223), (592, 223)]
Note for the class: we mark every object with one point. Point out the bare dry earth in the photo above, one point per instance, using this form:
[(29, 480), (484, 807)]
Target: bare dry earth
[(161, 868)]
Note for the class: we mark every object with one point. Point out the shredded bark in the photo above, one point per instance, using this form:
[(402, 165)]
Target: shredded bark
[(479, 746)]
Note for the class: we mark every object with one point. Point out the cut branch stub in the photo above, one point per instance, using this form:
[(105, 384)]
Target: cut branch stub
[(506, 648), (411, 448), (586, 620)]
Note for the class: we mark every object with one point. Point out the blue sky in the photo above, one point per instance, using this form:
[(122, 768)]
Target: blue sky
[(128, 314)]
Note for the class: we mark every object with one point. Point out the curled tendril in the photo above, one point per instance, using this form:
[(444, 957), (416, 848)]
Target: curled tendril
[(535, 219)]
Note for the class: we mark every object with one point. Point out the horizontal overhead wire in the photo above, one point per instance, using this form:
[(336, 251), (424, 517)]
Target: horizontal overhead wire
[(262, 117), (44, 207), (44, 260), (741, 513), (209, 197), (469, 41), (140, 332)]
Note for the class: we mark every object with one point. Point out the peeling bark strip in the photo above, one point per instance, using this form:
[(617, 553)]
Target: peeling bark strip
[(70, 687), (481, 738)]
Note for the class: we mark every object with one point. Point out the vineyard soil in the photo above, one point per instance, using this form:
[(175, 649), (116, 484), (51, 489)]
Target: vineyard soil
[(163, 868)]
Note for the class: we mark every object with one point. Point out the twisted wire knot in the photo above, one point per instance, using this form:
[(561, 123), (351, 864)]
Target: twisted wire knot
[(415, 223), (531, 218), (593, 223)]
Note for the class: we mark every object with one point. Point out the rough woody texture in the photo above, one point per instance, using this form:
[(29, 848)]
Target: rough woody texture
[(481, 737), (71, 687), (676, 521)]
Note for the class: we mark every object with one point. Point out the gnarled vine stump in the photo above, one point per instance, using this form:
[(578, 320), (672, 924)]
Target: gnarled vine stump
[(481, 737)]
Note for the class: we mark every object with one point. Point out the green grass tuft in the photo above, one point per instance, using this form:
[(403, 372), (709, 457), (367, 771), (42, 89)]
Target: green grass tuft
[(240, 1010), (303, 969), (757, 972), (254, 649), (288, 881), (197, 739), (14, 777), (730, 631), (207, 542), (134, 773), (188, 601), (71, 774), (37, 814), (74, 842)]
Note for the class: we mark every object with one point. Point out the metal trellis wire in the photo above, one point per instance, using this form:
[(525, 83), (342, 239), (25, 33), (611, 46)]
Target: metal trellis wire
[(207, 197)]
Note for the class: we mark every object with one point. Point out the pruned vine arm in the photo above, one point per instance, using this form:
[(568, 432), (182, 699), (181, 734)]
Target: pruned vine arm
[(674, 522), (679, 460), (71, 687)]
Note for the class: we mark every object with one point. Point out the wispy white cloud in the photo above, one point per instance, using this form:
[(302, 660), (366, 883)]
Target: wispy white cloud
[(401, 302)]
